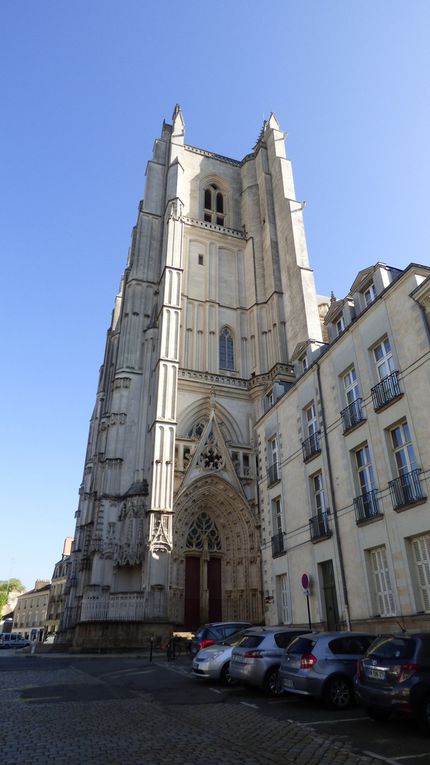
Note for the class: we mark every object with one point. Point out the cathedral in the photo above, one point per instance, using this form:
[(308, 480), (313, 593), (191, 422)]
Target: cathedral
[(216, 296)]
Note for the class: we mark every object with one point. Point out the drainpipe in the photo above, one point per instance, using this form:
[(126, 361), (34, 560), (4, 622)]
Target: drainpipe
[(333, 504)]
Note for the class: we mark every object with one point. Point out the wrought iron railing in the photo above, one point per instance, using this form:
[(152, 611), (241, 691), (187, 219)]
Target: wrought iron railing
[(386, 391), (279, 544), (406, 489), (352, 414), (273, 473), (311, 446), (367, 506), (319, 526)]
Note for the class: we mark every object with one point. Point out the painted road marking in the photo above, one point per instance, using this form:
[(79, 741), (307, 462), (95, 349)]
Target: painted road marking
[(247, 704), (334, 722)]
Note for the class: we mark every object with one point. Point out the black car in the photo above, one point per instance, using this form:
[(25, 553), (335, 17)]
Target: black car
[(211, 633), (394, 676)]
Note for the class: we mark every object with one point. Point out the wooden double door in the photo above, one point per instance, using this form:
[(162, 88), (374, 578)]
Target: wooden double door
[(203, 591)]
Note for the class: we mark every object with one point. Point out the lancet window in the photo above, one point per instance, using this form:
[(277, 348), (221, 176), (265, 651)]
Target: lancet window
[(226, 349)]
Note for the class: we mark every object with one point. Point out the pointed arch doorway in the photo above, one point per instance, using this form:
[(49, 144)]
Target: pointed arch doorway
[(203, 573)]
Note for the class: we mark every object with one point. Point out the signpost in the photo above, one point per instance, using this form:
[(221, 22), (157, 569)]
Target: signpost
[(306, 584)]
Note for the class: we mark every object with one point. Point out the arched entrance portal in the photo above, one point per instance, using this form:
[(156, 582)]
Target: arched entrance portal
[(203, 578), (215, 564)]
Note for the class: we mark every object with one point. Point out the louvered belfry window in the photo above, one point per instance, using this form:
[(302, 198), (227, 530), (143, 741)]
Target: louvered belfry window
[(213, 205)]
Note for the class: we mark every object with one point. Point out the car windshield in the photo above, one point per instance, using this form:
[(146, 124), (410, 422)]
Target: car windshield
[(250, 641), (301, 645), (392, 648)]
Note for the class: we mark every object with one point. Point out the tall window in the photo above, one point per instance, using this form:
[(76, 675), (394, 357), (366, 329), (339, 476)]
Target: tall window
[(214, 206), (403, 450), (318, 495), (226, 350), (352, 388), (382, 590), (365, 475), (273, 460), (282, 599), (311, 420), (277, 516), (383, 359), (421, 551)]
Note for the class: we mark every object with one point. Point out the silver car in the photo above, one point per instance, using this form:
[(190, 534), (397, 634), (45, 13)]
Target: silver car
[(256, 658), (323, 664), (213, 662)]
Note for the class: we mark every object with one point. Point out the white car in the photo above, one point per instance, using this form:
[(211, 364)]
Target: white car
[(13, 640), (213, 662)]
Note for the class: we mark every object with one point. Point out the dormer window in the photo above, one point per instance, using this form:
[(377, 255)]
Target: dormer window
[(214, 205), (304, 363), (369, 294), (340, 326)]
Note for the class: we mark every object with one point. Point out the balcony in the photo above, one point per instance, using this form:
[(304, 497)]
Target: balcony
[(352, 415), (386, 391), (273, 474), (367, 506), (279, 544), (311, 447), (319, 527), (406, 490)]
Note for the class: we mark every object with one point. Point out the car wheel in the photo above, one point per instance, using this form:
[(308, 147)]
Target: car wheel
[(338, 693), (225, 676), (272, 684), (423, 715), (378, 714)]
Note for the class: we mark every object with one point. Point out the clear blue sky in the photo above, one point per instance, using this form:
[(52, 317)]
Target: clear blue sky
[(85, 87)]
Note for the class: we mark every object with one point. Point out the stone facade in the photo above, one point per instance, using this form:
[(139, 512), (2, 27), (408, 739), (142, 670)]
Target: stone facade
[(346, 502), (31, 609), (216, 295)]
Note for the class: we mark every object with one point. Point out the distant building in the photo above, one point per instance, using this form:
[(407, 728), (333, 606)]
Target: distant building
[(31, 609), (345, 464), (56, 594)]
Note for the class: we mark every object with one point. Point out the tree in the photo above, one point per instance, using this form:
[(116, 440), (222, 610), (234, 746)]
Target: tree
[(7, 586)]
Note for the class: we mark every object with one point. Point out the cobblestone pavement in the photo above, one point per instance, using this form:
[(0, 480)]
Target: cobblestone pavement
[(66, 716)]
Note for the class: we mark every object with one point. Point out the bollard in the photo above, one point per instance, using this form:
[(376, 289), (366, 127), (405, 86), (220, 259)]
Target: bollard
[(151, 646)]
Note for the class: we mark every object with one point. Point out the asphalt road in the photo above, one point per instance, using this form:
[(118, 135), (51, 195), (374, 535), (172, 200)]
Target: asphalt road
[(88, 686)]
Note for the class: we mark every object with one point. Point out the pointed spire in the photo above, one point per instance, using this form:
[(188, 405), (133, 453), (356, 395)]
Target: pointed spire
[(273, 122), (178, 121)]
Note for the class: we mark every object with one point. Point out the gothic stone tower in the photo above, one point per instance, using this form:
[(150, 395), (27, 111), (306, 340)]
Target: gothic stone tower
[(216, 295)]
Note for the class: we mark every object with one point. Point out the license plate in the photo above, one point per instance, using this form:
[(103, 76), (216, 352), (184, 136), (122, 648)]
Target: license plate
[(376, 674), (288, 683)]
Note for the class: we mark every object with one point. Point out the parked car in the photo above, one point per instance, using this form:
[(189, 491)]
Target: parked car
[(323, 664), (13, 640), (211, 633), (394, 676), (213, 662), (256, 658)]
